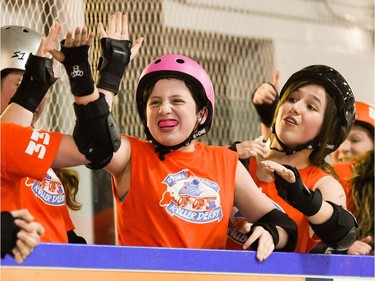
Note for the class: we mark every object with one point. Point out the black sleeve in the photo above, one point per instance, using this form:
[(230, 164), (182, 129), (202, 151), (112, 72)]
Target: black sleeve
[(73, 238), (8, 233)]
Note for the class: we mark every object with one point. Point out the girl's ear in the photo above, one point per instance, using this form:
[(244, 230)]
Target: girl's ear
[(203, 115)]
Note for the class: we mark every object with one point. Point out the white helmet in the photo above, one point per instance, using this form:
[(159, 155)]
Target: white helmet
[(17, 42)]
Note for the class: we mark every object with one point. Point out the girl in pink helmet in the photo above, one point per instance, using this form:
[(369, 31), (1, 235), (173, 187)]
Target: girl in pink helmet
[(172, 190)]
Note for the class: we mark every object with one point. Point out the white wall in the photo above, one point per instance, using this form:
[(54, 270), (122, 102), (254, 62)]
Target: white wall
[(304, 32)]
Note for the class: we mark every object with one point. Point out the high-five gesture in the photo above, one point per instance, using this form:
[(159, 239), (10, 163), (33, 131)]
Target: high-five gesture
[(117, 52)]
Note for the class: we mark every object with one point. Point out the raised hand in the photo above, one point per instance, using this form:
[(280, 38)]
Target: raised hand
[(117, 52), (118, 29), (265, 99)]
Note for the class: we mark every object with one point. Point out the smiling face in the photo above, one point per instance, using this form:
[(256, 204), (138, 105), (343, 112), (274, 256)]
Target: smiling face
[(300, 117), (171, 112), (358, 142)]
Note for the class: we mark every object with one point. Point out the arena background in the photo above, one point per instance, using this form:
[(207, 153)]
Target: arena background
[(239, 42)]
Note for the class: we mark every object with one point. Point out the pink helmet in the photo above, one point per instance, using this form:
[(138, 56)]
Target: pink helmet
[(180, 67)]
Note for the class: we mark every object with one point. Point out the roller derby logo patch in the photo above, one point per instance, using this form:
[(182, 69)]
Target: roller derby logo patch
[(191, 198), (238, 227), (49, 190)]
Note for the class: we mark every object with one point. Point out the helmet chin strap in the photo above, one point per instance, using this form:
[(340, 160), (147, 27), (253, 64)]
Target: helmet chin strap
[(291, 150), (162, 149)]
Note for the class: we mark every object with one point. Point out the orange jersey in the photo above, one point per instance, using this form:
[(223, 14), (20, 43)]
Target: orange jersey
[(306, 241), (46, 200), (184, 201), (24, 151), (344, 171)]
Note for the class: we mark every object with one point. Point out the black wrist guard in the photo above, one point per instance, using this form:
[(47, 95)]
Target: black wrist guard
[(298, 195), (233, 145), (96, 133), (244, 162), (77, 67), (9, 232), (277, 218), (115, 57), (266, 111), (269, 227), (37, 79)]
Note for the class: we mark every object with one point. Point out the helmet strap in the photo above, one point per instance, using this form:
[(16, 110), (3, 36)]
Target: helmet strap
[(162, 149), (291, 150)]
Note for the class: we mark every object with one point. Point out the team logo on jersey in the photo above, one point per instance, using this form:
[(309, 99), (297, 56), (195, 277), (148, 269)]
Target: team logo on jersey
[(191, 198), (238, 227), (49, 190)]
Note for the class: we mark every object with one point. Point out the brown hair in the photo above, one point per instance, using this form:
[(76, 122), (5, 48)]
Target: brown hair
[(70, 181), (362, 193), (329, 131)]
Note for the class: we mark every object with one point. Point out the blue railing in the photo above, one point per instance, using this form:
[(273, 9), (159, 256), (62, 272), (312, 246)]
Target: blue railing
[(142, 259)]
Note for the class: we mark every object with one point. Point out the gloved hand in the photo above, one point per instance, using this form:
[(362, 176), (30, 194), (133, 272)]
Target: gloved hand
[(77, 67), (112, 63), (36, 81), (265, 110), (298, 195)]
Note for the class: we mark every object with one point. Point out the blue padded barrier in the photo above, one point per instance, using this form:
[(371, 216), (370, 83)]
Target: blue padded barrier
[(190, 260)]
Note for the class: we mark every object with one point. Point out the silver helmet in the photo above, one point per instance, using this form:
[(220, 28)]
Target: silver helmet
[(17, 42)]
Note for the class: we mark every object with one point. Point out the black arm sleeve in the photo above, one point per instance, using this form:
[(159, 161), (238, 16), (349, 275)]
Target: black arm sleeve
[(9, 232), (277, 218), (73, 238)]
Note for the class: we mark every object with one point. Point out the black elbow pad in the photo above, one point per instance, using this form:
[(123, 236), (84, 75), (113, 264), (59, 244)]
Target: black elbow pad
[(339, 231), (96, 133)]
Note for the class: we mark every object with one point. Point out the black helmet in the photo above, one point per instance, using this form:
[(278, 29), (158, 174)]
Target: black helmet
[(336, 86)]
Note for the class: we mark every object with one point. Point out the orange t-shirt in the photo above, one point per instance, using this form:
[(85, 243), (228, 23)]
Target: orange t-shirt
[(184, 201), (310, 176), (46, 200), (24, 151), (344, 171)]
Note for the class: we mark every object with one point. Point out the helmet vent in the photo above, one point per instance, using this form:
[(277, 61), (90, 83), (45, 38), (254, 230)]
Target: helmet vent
[(157, 61), (25, 30), (180, 61)]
